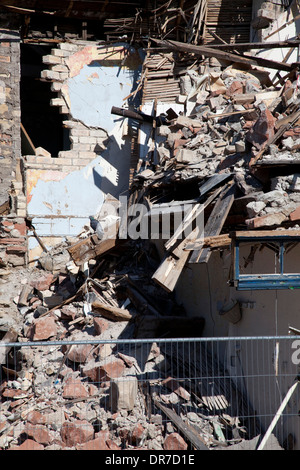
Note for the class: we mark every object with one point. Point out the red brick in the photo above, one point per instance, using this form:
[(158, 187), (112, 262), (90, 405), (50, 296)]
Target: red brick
[(29, 444), (44, 282), (12, 393), (112, 445), (7, 223), (16, 403), (77, 432), (236, 87), (175, 442), (294, 132), (13, 250), (38, 433), (43, 329), (268, 220), (295, 215), (175, 386), (137, 434), (22, 229), (80, 353), (99, 443), (11, 241), (4, 58), (105, 372), (35, 417), (263, 129), (100, 325), (74, 388), (179, 143)]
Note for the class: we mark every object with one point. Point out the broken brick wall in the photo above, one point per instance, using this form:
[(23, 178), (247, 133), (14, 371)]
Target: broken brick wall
[(13, 240), (87, 79), (10, 114)]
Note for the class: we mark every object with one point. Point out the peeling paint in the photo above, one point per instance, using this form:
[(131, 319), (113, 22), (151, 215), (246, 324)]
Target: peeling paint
[(60, 203), (91, 101), (33, 176)]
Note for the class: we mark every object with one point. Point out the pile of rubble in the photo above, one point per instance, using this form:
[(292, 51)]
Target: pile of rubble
[(237, 122), (100, 392)]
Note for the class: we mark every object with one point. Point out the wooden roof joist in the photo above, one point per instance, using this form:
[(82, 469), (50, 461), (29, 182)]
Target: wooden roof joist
[(80, 9), (224, 55)]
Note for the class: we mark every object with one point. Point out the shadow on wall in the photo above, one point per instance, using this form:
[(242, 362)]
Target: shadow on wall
[(115, 162)]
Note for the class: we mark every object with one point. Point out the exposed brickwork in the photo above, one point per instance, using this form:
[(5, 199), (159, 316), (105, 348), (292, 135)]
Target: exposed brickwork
[(10, 137), (86, 143), (13, 241)]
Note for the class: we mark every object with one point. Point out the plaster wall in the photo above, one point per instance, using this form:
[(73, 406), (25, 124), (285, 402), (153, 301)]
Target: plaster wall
[(63, 192), (289, 31), (203, 289)]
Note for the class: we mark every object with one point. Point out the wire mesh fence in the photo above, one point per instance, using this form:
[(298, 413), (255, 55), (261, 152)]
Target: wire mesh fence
[(151, 394)]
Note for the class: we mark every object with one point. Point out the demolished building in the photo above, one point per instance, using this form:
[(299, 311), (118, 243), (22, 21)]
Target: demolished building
[(189, 110)]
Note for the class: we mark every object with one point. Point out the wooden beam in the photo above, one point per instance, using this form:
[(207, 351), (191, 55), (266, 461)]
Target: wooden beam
[(214, 242), (110, 312), (192, 215), (223, 55), (189, 432), (215, 223), (169, 271), (247, 46), (91, 248), (266, 234)]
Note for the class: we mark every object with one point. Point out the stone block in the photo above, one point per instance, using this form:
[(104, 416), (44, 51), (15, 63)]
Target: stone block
[(268, 220), (187, 156), (51, 60), (50, 75), (123, 393), (254, 208)]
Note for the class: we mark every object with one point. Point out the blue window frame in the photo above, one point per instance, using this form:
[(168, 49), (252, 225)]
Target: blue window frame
[(280, 280)]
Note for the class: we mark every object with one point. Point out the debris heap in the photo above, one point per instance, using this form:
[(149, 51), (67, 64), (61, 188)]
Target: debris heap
[(100, 392)]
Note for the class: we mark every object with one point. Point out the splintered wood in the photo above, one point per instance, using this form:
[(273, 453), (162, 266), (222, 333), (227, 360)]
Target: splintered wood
[(90, 248)]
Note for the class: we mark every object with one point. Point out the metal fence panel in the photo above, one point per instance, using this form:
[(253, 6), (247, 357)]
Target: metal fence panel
[(152, 394)]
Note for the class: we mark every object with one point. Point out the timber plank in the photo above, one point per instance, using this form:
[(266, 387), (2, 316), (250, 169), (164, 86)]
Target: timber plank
[(110, 312), (90, 248), (170, 269), (195, 211), (189, 432), (215, 223), (223, 55)]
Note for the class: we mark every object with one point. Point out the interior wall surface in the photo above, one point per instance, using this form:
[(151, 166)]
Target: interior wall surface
[(63, 192), (204, 290)]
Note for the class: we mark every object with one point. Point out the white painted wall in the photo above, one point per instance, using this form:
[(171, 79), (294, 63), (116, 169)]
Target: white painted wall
[(289, 32), (203, 290)]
